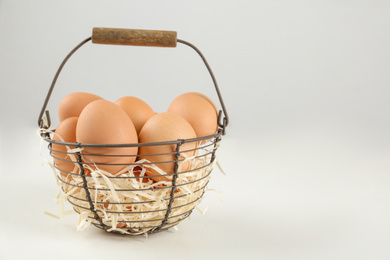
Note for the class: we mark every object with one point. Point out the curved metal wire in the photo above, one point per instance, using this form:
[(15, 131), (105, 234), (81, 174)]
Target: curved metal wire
[(221, 122), (225, 121), (40, 120)]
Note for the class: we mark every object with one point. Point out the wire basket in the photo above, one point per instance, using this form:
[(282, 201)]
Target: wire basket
[(142, 197)]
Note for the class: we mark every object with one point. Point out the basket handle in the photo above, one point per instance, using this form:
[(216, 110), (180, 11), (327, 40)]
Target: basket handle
[(136, 38), (118, 36)]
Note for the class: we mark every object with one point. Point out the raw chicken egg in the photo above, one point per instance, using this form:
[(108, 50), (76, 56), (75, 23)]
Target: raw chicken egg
[(65, 132), (199, 110), (137, 109), (72, 104), (103, 122), (160, 128), (205, 97)]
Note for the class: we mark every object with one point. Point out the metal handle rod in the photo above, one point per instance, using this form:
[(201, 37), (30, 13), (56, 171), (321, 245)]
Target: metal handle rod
[(226, 118), (221, 122), (40, 120)]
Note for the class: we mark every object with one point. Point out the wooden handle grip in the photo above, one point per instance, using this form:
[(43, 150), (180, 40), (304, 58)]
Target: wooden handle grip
[(133, 37)]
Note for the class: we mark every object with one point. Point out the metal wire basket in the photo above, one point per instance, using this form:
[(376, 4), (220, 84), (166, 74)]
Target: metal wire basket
[(132, 201)]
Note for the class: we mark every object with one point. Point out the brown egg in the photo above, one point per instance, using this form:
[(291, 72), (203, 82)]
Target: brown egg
[(103, 122), (72, 104), (138, 110), (160, 128), (205, 97), (199, 110), (65, 132)]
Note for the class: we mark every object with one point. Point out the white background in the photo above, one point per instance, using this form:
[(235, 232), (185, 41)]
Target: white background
[(307, 153)]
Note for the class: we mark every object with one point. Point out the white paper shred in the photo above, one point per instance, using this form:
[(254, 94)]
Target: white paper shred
[(217, 192), (219, 167), (203, 212), (52, 215)]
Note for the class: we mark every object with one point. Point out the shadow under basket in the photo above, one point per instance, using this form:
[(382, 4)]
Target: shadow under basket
[(140, 198), (126, 192)]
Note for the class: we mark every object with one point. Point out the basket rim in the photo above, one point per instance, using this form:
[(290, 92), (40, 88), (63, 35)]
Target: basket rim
[(173, 142)]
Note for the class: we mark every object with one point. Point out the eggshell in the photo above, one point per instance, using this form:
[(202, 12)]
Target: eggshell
[(137, 109), (103, 122), (72, 104), (160, 128), (199, 110), (205, 97), (65, 132)]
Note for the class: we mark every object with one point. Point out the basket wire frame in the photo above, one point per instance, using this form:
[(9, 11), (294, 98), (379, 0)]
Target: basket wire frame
[(86, 201), (96, 209)]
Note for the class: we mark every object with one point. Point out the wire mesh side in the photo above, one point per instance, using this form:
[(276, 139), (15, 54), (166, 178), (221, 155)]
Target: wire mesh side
[(131, 202)]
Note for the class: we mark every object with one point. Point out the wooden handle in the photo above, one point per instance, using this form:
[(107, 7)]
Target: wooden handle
[(133, 37)]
